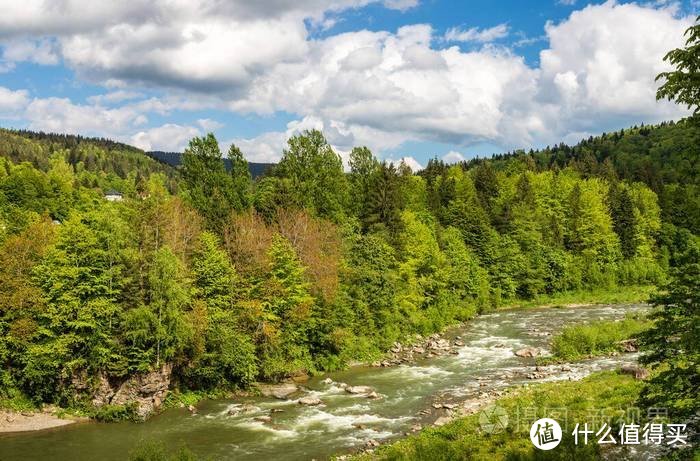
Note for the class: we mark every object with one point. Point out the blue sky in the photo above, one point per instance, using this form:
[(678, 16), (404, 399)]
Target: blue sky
[(408, 78)]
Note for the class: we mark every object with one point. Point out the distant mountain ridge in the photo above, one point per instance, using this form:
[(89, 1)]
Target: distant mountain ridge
[(174, 159)]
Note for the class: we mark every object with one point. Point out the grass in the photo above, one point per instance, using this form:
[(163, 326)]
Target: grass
[(617, 295), (602, 337), (15, 400), (602, 397)]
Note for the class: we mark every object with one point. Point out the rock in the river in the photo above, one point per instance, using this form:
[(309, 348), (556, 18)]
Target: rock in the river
[(458, 343), (279, 391), (308, 400), (327, 381), (192, 409), (527, 352), (636, 371), (373, 395), (418, 350), (371, 443), (358, 389), (263, 419)]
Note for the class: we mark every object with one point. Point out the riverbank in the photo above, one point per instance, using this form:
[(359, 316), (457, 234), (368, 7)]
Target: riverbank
[(477, 437), (25, 421), (580, 298)]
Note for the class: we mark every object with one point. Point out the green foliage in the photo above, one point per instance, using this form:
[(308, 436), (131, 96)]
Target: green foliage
[(673, 344), (596, 338), (315, 173), (683, 84), (113, 413), (309, 268), (210, 189)]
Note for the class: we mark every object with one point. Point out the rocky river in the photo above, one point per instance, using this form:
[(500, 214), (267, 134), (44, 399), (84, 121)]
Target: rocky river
[(426, 383)]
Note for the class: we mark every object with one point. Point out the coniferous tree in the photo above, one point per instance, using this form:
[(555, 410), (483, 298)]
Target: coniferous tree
[(673, 343)]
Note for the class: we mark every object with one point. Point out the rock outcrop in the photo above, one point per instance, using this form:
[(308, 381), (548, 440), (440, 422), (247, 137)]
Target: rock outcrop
[(145, 391)]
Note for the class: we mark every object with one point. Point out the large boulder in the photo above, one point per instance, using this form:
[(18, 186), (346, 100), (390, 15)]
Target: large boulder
[(280, 391), (358, 390), (309, 401)]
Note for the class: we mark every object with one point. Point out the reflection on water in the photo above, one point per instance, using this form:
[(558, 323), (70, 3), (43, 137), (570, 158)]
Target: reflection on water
[(262, 428)]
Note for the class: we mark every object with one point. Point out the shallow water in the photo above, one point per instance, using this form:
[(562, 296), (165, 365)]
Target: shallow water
[(486, 362)]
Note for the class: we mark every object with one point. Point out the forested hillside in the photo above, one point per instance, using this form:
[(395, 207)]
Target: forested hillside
[(665, 157), (174, 159), (229, 280)]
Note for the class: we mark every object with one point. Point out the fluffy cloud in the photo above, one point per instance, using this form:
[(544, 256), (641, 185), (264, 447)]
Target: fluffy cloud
[(410, 161), (208, 124), (169, 137), (379, 89), (42, 51), (60, 115), (453, 157), (475, 34), (602, 62), (12, 102)]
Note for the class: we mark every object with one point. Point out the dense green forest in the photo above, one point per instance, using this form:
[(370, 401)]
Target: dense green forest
[(231, 280)]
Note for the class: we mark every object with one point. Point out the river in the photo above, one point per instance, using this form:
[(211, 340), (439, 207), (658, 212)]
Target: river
[(343, 422)]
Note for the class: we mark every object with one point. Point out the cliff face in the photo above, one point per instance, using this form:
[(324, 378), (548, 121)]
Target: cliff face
[(146, 391)]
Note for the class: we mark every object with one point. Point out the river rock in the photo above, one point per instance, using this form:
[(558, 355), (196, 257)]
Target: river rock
[(280, 391), (371, 443), (527, 352), (310, 401), (327, 381), (629, 345), (458, 342), (373, 395), (418, 350), (358, 389), (636, 371), (263, 419), (442, 420), (396, 348)]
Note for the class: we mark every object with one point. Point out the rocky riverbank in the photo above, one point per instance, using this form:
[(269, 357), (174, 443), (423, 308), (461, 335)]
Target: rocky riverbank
[(14, 421)]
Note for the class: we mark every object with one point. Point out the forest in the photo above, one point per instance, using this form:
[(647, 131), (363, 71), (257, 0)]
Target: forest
[(229, 280)]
